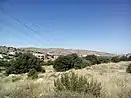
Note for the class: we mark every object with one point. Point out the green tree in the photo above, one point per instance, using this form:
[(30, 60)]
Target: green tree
[(24, 63), (81, 63), (123, 58), (115, 59), (3, 63), (63, 63), (129, 58), (93, 59), (103, 59)]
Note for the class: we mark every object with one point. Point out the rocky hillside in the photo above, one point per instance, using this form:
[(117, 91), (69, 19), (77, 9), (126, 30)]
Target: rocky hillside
[(62, 51), (54, 51)]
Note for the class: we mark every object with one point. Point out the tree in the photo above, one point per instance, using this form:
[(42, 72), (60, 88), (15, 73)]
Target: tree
[(23, 64), (93, 59), (115, 59), (103, 59), (63, 63), (123, 58), (129, 58), (81, 63)]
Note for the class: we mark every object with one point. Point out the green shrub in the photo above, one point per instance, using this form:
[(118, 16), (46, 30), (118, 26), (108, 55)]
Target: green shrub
[(23, 64), (103, 59), (3, 63), (115, 59), (129, 58), (43, 70), (63, 63), (128, 70), (123, 58), (81, 63), (73, 83), (48, 63), (14, 78), (33, 74), (93, 59)]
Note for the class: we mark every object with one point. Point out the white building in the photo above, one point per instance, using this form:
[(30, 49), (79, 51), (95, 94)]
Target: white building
[(39, 55)]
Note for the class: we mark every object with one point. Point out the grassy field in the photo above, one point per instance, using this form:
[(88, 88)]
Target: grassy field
[(116, 83)]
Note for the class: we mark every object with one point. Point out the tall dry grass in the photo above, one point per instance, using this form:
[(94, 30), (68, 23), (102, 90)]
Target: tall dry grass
[(113, 77)]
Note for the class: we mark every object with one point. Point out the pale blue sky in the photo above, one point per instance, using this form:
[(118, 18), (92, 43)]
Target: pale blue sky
[(78, 24)]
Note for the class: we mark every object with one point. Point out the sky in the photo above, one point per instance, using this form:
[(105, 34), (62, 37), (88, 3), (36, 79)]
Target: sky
[(100, 25)]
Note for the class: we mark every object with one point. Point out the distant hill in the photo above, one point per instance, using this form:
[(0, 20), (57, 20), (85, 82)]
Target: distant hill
[(55, 51), (62, 51)]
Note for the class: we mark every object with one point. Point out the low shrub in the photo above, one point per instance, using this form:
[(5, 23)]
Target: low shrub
[(129, 58), (115, 59), (3, 63), (33, 74), (123, 58), (14, 78), (48, 63), (82, 63), (93, 59), (103, 59), (128, 70), (124, 94), (71, 82), (43, 70)]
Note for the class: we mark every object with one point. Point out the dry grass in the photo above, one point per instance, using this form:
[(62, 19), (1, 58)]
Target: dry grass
[(115, 82)]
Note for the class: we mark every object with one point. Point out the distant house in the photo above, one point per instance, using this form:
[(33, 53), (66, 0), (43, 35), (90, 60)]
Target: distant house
[(39, 55)]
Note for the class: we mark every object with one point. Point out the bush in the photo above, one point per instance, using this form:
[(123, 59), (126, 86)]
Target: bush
[(103, 59), (129, 58), (124, 93), (3, 63), (23, 64), (93, 59), (33, 74), (43, 70), (48, 63), (71, 82), (128, 70), (115, 59), (81, 63), (63, 63), (123, 58)]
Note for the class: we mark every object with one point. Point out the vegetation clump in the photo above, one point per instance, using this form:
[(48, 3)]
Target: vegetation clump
[(48, 63), (93, 59), (23, 64), (64, 63), (128, 70), (71, 82), (33, 74)]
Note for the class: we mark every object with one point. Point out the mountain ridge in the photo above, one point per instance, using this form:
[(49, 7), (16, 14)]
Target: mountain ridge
[(56, 51)]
